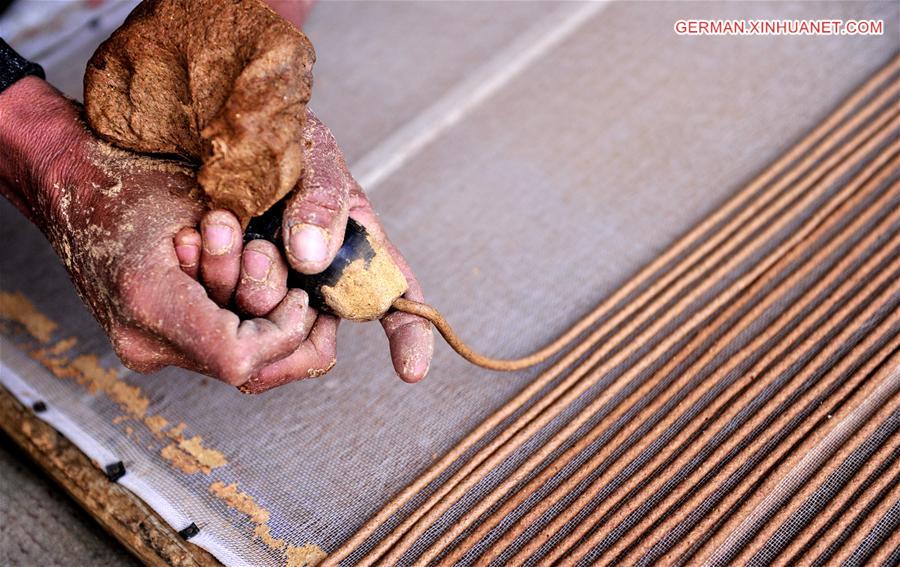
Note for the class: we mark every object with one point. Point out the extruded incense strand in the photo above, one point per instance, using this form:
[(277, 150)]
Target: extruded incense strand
[(864, 135), (416, 532), (815, 145), (814, 142), (504, 365), (411, 535)]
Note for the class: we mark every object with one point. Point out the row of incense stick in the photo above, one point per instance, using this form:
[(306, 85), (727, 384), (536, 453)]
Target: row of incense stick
[(712, 397)]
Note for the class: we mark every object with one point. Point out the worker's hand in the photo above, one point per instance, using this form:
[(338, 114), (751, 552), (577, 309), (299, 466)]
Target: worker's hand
[(294, 11), (112, 217), (254, 277)]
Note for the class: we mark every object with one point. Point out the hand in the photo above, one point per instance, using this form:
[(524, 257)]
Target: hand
[(254, 277), (294, 11), (123, 225), (246, 84), (112, 217)]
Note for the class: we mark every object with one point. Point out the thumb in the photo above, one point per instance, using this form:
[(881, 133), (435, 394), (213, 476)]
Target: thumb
[(316, 214)]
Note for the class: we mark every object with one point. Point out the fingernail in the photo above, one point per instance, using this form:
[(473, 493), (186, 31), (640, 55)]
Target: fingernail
[(309, 243), (256, 265), (188, 255), (217, 239), (415, 364)]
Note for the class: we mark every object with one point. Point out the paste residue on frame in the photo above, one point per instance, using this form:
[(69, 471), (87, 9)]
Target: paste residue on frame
[(296, 556), (16, 307), (187, 454)]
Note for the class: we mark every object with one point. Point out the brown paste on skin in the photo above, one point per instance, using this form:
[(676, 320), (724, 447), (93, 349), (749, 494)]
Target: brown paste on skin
[(223, 84), (366, 289)]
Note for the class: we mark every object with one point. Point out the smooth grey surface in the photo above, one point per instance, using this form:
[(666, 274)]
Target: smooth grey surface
[(41, 525), (380, 63)]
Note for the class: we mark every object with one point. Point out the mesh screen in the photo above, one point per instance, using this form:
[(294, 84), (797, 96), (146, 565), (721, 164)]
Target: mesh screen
[(715, 378)]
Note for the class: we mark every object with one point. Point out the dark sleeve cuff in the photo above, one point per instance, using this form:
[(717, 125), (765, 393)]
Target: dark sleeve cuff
[(14, 67)]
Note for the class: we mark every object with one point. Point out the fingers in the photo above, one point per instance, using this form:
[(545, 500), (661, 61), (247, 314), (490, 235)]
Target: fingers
[(256, 276), (218, 342), (294, 11), (263, 281), (187, 249), (314, 358), (142, 352), (220, 259), (293, 318), (316, 214), (410, 337)]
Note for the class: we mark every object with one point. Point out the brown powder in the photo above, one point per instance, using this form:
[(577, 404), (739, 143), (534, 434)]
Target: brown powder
[(86, 369), (15, 307), (237, 107), (156, 424), (177, 431), (240, 501), (62, 346), (189, 455), (208, 459), (366, 291), (264, 533), (304, 555), (180, 459)]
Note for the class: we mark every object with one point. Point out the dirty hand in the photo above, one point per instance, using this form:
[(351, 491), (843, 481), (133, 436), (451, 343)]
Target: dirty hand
[(254, 276), (112, 217)]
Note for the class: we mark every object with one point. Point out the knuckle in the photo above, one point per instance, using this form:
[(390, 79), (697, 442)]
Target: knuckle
[(323, 368), (133, 354), (324, 199), (142, 366), (131, 295), (233, 369)]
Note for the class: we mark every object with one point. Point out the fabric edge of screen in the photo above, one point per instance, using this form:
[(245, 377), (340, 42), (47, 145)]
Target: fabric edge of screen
[(133, 480)]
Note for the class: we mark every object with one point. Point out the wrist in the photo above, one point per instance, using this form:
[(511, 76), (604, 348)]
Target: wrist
[(37, 126)]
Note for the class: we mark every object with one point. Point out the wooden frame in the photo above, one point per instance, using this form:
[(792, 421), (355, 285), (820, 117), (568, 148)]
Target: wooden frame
[(125, 516)]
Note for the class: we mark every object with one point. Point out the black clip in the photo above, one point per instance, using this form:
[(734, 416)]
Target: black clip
[(39, 406), (190, 531), (115, 471)]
